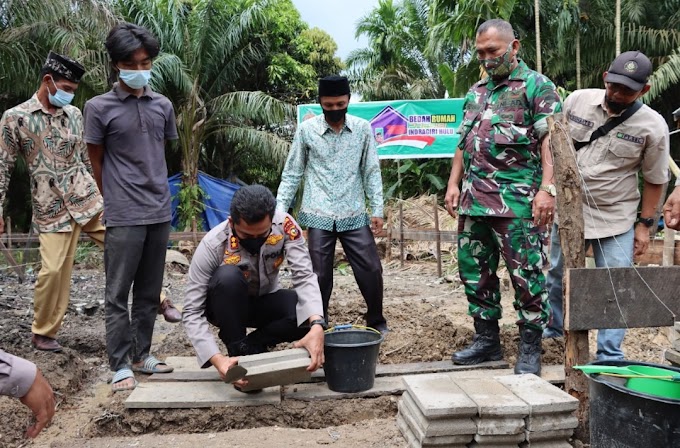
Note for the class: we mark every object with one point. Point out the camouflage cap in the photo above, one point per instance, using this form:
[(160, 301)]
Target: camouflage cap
[(64, 66)]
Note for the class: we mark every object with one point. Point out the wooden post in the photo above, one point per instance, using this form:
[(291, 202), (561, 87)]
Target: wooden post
[(401, 233), (572, 238), (27, 252), (438, 236), (668, 247), (388, 246)]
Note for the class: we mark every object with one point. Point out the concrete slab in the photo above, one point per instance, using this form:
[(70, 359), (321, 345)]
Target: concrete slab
[(547, 444), (498, 426), (413, 442), (276, 371), (512, 439), (493, 398), (560, 434), (196, 395), (320, 391), (492, 445), (433, 441), (552, 374), (673, 357), (184, 364), (435, 427), (551, 422), (437, 396), (542, 397)]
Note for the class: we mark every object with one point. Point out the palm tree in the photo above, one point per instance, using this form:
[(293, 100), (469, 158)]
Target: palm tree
[(208, 48)]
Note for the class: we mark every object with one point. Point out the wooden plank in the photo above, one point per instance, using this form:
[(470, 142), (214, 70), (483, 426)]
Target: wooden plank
[(439, 237), (622, 297), (187, 370), (401, 233), (196, 395), (320, 391)]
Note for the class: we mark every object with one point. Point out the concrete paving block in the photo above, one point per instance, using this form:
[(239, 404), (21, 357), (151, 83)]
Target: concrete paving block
[(547, 444), (512, 439), (276, 368), (462, 428), (498, 426), (206, 394), (265, 358), (433, 441), (493, 398), (673, 357), (492, 445), (551, 422), (676, 327), (413, 442), (559, 434), (437, 396), (388, 385), (542, 397)]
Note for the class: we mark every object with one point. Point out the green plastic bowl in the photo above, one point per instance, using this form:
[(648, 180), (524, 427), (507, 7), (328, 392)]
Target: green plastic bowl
[(666, 388)]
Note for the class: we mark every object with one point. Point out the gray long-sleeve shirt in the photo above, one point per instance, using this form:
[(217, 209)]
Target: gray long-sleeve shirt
[(16, 375), (220, 247)]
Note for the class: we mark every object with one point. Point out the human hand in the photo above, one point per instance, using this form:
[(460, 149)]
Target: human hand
[(313, 343), (376, 225), (40, 400), (671, 210), (641, 239), (543, 208), (223, 364), (451, 199)]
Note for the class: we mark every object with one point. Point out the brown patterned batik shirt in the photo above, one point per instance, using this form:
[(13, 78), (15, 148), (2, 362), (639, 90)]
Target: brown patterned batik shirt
[(62, 186)]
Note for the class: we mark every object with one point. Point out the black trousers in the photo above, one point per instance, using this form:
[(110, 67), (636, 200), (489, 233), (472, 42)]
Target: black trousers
[(134, 256), (362, 254), (232, 310)]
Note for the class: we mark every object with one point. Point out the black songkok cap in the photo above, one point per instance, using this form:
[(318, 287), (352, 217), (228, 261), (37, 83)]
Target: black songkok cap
[(64, 66), (333, 86)]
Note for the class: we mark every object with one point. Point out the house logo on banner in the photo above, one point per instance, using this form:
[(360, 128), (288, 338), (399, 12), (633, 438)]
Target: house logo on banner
[(407, 129)]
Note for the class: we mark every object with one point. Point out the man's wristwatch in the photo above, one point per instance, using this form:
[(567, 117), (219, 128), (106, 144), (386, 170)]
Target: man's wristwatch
[(647, 222), (321, 322), (550, 189)]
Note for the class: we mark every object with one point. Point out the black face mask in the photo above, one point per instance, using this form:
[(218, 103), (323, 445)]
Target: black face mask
[(335, 116), (616, 107), (252, 245)]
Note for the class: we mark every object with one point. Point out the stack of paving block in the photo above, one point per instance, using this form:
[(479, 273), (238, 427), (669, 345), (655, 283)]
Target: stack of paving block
[(502, 412), (673, 354)]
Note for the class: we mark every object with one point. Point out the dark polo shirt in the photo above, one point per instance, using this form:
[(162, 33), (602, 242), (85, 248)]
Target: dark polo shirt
[(134, 173)]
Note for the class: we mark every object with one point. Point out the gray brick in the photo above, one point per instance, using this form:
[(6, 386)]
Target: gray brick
[(542, 397), (437, 396), (560, 434), (497, 426), (413, 442), (551, 422), (547, 444), (493, 398), (492, 445), (423, 428), (513, 439)]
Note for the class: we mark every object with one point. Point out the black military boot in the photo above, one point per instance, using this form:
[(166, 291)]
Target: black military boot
[(529, 357), (245, 347), (486, 344)]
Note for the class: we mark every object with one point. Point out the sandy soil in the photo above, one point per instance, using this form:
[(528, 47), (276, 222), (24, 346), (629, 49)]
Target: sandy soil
[(426, 315)]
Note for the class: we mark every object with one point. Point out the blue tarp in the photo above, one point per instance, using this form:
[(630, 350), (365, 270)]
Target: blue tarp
[(217, 201)]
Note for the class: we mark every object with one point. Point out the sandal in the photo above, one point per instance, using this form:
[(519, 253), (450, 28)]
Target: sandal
[(121, 375), (152, 365)]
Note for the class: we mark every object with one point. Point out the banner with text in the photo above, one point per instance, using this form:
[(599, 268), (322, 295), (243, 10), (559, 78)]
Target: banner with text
[(407, 129)]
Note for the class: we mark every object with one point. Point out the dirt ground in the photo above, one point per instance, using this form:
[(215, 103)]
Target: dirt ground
[(425, 313)]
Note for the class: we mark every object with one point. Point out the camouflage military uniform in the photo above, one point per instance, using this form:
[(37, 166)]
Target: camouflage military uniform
[(500, 139)]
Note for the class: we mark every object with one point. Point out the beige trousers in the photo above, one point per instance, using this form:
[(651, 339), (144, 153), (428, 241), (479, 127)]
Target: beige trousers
[(53, 286)]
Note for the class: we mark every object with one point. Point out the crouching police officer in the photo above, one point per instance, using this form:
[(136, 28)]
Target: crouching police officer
[(233, 284)]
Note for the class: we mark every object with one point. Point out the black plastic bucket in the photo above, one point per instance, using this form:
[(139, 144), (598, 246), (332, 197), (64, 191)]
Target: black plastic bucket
[(624, 418), (351, 357)]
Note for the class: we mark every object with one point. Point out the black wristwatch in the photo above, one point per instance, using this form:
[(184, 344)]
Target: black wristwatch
[(647, 222), (321, 322)]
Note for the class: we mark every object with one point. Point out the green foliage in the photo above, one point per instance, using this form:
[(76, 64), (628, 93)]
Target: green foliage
[(409, 177), (190, 206)]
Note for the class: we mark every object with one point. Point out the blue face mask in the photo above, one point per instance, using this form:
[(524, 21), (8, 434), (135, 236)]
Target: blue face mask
[(135, 79), (61, 98)]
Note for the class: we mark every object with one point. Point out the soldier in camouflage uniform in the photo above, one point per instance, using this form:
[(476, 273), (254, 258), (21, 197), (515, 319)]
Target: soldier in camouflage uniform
[(507, 196), (48, 132)]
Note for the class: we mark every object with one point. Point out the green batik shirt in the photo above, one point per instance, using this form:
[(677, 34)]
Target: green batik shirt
[(62, 186), (500, 138), (341, 171)]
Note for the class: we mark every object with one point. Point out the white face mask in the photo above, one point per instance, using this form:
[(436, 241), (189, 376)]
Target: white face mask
[(135, 79)]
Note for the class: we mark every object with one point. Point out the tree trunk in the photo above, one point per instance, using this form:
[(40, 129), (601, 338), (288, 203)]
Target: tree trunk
[(578, 57), (537, 20), (572, 238), (617, 27)]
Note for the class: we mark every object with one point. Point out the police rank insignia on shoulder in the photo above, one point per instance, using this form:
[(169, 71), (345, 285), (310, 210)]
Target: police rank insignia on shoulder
[(273, 240), (233, 242), (230, 258), (278, 262), (291, 229)]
